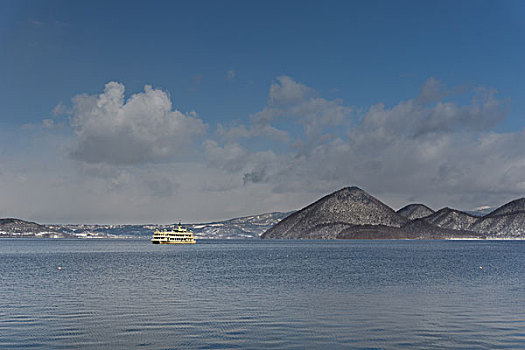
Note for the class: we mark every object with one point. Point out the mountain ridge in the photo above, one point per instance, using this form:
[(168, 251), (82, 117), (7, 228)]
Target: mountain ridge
[(246, 227), (507, 221), (515, 206), (449, 218), (347, 213), (415, 211), (347, 207)]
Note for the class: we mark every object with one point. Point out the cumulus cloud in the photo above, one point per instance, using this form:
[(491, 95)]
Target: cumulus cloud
[(236, 132), (144, 128), (438, 145), (285, 92), (413, 119), (231, 157), (302, 104), (291, 104)]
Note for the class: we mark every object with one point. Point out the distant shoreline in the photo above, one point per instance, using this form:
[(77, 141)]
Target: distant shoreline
[(143, 238)]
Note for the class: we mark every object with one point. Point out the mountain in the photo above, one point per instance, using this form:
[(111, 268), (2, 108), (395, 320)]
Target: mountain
[(415, 229), (502, 226), (351, 213), (422, 229), (514, 206), (451, 219), (237, 228), (415, 211), (244, 227), (481, 211), (347, 213), (11, 227), (343, 209), (507, 221)]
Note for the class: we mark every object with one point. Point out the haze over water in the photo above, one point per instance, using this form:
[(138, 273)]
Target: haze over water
[(262, 294)]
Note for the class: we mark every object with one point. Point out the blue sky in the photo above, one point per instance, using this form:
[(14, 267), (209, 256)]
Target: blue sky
[(258, 87)]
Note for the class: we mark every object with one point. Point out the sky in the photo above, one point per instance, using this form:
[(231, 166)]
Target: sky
[(151, 112)]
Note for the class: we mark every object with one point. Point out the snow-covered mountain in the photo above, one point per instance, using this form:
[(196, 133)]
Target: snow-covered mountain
[(237, 228), (451, 219), (353, 213), (415, 211), (347, 213), (507, 221), (334, 213), (244, 227)]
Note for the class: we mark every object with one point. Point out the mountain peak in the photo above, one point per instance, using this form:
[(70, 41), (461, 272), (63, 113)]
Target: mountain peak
[(350, 189), (415, 211), (451, 219), (353, 213), (329, 215), (517, 205)]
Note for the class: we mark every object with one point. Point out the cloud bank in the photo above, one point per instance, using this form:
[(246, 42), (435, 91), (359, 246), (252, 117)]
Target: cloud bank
[(440, 143), (144, 128), (138, 159)]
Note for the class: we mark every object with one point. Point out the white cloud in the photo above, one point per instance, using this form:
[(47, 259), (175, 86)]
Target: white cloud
[(285, 92), (238, 162), (144, 128), (296, 104), (302, 104), (231, 157), (432, 91), (413, 119), (440, 150), (236, 132), (426, 148)]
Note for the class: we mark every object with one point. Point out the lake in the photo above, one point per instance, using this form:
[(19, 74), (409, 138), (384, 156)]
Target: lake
[(262, 294)]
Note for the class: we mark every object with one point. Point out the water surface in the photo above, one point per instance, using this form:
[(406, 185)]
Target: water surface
[(251, 294)]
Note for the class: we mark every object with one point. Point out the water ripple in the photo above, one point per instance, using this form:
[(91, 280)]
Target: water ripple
[(255, 295)]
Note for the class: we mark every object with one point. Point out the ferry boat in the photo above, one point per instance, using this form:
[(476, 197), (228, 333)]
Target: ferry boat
[(178, 235)]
